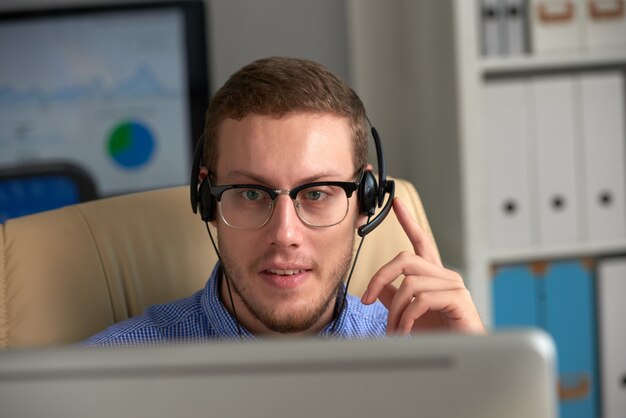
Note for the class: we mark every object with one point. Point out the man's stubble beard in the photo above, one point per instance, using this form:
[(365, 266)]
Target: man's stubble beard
[(293, 322)]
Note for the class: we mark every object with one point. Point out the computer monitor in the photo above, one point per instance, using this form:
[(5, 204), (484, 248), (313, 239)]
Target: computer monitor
[(440, 375), (35, 188), (118, 89)]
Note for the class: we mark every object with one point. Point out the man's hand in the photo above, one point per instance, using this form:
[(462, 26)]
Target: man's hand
[(431, 297)]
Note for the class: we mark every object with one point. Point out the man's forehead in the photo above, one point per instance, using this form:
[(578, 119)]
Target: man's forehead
[(302, 146), (285, 130)]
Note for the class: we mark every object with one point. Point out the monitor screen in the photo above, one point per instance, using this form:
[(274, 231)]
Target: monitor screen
[(118, 90), (433, 375)]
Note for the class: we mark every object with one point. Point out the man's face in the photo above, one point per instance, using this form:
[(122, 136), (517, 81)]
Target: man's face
[(285, 274)]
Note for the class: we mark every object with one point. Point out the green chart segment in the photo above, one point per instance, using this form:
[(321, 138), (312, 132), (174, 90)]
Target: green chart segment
[(131, 145)]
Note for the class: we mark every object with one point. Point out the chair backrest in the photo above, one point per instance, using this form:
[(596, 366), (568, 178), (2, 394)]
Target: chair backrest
[(69, 273)]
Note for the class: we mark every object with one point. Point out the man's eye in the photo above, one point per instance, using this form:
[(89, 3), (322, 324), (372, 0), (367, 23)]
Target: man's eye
[(252, 195), (314, 195)]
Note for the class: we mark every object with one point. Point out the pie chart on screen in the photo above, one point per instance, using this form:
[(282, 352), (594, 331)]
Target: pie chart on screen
[(131, 145)]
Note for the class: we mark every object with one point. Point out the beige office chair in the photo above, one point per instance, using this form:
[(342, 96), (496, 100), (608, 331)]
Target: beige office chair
[(69, 273)]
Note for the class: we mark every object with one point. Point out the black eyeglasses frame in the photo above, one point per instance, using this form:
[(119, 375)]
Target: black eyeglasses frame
[(348, 187)]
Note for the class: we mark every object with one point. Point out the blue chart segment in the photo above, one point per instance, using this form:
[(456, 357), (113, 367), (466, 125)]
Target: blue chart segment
[(131, 145)]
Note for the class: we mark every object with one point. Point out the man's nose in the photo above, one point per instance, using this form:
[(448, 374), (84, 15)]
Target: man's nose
[(284, 227)]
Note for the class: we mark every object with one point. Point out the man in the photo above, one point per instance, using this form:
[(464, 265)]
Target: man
[(285, 245)]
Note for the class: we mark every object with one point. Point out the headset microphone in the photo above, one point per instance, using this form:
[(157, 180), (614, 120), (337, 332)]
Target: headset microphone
[(373, 224)]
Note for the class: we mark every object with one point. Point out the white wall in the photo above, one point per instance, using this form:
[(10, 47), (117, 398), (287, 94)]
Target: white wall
[(243, 30), (402, 65)]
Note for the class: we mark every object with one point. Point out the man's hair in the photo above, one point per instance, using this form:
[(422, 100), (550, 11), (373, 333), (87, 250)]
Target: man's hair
[(278, 86)]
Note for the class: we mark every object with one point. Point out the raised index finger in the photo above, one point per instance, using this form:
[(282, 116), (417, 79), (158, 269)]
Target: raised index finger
[(423, 244)]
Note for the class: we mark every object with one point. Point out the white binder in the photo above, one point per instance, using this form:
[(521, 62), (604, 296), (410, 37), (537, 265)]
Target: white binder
[(492, 23), (602, 118), (506, 128), (611, 314), (515, 27), (555, 25), (604, 25), (554, 139)]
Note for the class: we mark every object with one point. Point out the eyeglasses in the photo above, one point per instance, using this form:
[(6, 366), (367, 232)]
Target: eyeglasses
[(250, 206)]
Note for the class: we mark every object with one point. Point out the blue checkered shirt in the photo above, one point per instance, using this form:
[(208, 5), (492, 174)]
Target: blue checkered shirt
[(202, 316)]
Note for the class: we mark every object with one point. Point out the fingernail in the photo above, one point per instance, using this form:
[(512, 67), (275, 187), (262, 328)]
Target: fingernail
[(365, 296)]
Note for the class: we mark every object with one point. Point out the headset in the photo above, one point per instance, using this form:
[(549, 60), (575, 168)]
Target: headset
[(370, 194)]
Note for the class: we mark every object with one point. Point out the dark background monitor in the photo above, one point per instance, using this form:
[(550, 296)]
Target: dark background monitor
[(117, 90), (35, 188)]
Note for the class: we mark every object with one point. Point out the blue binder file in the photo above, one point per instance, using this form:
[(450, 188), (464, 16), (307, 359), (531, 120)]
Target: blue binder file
[(515, 297), (571, 320), (561, 300)]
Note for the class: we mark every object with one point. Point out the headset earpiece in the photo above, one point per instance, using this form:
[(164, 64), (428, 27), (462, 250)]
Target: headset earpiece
[(372, 193), (201, 198), (368, 194), (197, 163), (207, 202), (390, 189)]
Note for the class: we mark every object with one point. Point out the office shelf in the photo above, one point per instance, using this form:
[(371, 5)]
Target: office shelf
[(507, 65), (556, 252)]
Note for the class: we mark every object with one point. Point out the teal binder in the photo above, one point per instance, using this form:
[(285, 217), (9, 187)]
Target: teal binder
[(561, 299), (571, 320), (515, 297)]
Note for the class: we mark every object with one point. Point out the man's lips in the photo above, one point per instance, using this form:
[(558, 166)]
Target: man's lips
[(285, 272), (285, 278)]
